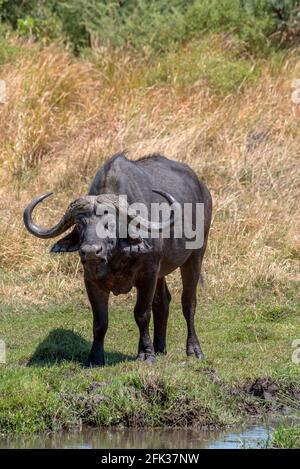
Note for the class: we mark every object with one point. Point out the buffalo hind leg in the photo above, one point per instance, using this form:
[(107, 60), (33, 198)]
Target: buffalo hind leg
[(190, 273), (160, 308)]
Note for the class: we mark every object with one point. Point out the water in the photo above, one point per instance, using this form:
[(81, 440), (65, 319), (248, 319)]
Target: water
[(251, 436)]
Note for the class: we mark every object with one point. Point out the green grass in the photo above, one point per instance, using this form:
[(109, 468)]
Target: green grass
[(286, 437), (203, 63), (44, 386), (8, 52)]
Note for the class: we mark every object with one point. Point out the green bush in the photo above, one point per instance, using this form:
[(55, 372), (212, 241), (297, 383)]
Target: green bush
[(200, 64), (154, 25), (33, 18), (8, 51)]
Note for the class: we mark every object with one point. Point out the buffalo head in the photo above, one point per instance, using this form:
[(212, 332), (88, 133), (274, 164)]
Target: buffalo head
[(96, 233)]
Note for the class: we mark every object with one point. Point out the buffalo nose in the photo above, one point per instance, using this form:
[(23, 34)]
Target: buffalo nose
[(88, 252)]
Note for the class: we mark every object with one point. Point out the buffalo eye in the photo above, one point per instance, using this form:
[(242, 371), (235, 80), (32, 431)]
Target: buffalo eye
[(80, 226)]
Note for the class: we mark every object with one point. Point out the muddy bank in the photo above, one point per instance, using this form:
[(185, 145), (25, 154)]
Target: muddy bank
[(155, 404), (261, 396), (57, 399)]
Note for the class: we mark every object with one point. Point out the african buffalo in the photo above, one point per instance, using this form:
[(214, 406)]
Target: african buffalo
[(118, 263)]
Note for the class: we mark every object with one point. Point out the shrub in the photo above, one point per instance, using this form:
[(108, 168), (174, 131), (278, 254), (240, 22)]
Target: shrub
[(154, 26)]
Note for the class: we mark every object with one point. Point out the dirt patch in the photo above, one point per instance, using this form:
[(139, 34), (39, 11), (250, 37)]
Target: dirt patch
[(264, 388), (261, 395), (187, 412), (276, 396), (155, 391)]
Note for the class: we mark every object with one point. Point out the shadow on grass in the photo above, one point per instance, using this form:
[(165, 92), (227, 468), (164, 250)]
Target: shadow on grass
[(65, 345)]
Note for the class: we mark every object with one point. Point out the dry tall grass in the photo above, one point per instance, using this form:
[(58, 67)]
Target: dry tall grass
[(65, 116)]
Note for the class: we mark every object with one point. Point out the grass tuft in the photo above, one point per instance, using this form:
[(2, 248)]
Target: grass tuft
[(286, 437)]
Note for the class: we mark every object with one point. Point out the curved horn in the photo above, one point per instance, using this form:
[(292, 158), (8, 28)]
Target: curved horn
[(157, 226), (36, 230)]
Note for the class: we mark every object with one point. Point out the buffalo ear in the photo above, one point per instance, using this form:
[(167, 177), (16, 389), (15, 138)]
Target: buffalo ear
[(135, 245), (69, 243)]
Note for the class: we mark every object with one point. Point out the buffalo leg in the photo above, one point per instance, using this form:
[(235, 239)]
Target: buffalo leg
[(190, 273), (142, 314), (160, 308), (99, 302)]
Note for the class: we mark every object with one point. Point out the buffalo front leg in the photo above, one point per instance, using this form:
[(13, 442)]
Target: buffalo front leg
[(99, 302), (190, 273), (142, 314), (160, 308)]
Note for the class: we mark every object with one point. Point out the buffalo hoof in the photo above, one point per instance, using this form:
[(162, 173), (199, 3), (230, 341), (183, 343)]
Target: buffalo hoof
[(195, 351), (145, 357), (151, 359), (89, 364), (94, 362), (160, 350)]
